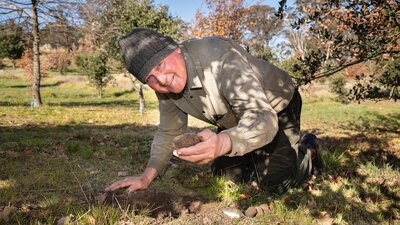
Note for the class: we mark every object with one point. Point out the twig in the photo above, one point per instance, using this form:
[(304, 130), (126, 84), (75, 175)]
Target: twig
[(80, 186), (83, 214), (124, 212)]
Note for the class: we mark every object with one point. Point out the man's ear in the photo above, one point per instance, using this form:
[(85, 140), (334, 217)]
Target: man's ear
[(178, 50)]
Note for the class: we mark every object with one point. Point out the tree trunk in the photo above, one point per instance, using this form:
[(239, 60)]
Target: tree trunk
[(99, 92), (37, 101), (141, 99)]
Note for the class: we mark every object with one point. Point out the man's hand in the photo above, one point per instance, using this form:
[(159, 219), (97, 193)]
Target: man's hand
[(135, 183), (212, 145)]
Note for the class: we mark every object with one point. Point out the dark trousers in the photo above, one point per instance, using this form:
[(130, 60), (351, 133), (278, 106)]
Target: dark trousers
[(277, 166)]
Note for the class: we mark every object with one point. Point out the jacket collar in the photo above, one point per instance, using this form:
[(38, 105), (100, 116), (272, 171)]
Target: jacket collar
[(192, 69)]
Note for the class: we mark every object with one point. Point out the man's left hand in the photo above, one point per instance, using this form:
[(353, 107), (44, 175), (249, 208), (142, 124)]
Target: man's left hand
[(212, 145)]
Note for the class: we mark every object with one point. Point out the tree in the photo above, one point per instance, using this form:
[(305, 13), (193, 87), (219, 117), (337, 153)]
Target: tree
[(263, 25), (94, 65), (60, 33), (35, 13), (106, 20), (225, 18), (350, 32), (11, 41)]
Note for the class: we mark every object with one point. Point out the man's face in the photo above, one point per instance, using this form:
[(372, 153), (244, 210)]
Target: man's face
[(169, 76)]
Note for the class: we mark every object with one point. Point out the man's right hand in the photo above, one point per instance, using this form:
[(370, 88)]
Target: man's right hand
[(135, 183)]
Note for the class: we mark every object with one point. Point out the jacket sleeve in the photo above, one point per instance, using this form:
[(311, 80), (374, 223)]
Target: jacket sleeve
[(258, 121), (173, 122)]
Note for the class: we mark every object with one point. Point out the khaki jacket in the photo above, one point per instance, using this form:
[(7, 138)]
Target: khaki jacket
[(229, 88)]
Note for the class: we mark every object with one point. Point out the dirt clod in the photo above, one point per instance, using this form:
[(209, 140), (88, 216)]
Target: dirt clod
[(185, 140), (160, 204), (251, 212), (195, 206)]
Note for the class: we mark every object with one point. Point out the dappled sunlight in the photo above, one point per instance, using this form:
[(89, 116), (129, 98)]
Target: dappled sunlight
[(72, 148), (7, 183)]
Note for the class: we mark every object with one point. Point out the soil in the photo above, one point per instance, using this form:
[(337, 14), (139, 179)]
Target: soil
[(160, 204), (185, 140), (168, 206)]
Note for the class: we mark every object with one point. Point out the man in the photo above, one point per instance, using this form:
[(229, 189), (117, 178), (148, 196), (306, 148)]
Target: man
[(253, 103)]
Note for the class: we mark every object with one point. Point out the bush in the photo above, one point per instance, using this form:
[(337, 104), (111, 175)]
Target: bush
[(94, 65), (26, 63), (58, 59), (337, 86), (295, 68)]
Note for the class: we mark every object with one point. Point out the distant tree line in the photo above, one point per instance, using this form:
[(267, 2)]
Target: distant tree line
[(317, 38)]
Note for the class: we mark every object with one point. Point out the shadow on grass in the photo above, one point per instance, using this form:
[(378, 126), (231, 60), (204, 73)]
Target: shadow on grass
[(129, 103), (376, 122), (23, 137), (121, 93), (134, 104), (346, 154), (59, 169), (377, 201), (359, 199), (58, 83)]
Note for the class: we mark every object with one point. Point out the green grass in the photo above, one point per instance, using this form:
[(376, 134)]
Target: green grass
[(56, 159)]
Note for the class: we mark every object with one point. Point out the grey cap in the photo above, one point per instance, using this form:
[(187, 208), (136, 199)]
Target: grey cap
[(143, 49)]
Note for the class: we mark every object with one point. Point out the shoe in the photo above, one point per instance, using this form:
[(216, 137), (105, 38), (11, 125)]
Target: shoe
[(311, 142)]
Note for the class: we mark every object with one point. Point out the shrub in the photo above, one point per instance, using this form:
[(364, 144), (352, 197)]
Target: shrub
[(26, 63), (58, 59), (337, 86), (94, 65)]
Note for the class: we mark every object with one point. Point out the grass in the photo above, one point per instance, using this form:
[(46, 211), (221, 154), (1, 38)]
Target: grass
[(56, 159)]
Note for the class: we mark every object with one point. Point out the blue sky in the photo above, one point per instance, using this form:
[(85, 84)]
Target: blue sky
[(186, 9)]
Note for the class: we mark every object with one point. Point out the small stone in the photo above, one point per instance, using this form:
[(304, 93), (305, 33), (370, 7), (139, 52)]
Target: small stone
[(260, 211), (232, 212), (195, 206), (265, 208), (185, 140), (251, 212), (65, 220)]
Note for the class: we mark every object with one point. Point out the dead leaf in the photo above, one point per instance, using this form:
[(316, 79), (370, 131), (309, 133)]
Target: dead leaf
[(28, 207), (122, 173), (244, 196), (338, 180), (29, 150), (271, 205), (6, 212)]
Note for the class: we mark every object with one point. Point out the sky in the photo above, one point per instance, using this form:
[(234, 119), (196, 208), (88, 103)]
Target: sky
[(186, 9)]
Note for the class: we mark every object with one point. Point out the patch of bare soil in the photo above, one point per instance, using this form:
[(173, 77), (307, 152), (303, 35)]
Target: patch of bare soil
[(159, 204), (175, 208)]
